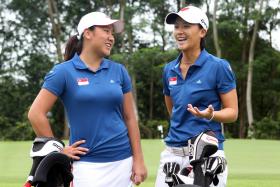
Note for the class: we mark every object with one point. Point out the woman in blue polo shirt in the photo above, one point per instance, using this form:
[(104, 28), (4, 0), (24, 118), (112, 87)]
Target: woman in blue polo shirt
[(199, 89), (96, 94)]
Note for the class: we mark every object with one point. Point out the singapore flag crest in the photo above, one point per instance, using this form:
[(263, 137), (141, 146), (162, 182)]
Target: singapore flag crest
[(172, 81), (82, 81)]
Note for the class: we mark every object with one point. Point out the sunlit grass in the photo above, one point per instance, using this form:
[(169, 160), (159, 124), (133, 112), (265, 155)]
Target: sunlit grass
[(252, 163)]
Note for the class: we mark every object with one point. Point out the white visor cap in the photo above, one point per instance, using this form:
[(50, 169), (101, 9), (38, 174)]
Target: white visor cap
[(98, 18), (190, 14)]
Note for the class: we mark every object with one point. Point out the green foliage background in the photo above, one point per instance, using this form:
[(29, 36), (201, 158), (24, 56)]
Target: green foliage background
[(27, 53)]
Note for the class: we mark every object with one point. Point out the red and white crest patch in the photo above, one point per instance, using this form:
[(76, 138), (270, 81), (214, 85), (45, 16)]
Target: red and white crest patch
[(82, 81), (172, 81)]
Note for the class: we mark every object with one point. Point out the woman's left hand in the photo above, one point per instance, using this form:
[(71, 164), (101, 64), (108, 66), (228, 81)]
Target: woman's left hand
[(206, 113), (139, 172)]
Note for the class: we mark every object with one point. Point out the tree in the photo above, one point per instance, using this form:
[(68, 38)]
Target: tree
[(235, 33), (56, 25), (36, 40), (250, 70), (215, 31), (29, 47), (56, 33)]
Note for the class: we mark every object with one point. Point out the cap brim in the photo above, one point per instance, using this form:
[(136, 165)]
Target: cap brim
[(118, 26), (171, 18)]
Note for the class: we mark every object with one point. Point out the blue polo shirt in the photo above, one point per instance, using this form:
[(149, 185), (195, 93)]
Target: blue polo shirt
[(208, 77), (93, 103)]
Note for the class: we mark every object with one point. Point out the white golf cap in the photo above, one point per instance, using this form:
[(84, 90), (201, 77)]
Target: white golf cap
[(190, 14), (98, 18)]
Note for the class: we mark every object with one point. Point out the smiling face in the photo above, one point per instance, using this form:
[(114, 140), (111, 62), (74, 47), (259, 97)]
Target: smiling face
[(101, 39), (187, 35)]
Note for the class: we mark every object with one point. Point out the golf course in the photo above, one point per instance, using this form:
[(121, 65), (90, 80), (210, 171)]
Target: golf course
[(252, 163)]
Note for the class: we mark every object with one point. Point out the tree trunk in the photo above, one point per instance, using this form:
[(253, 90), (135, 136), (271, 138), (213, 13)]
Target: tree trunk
[(215, 31), (242, 110), (134, 91), (216, 39), (122, 8), (54, 17), (122, 11), (53, 14), (129, 32), (108, 4), (178, 4), (242, 86), (250, 73), (208, 7), (270, 29), (163, 39), (151, 105)]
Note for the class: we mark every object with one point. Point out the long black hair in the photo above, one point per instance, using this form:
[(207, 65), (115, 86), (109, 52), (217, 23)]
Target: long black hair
[(74, 45)]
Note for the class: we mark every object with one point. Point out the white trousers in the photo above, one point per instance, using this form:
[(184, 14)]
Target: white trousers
[(167, 156), (113, 174)]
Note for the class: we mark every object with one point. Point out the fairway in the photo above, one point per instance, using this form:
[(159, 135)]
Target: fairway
[(252, 163)]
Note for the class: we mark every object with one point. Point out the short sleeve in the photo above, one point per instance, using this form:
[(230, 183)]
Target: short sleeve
[(54, 81), (166, 90), (225, 77), (126, 81)]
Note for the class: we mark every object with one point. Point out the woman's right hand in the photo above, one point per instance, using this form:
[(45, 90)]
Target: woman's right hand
[(74, 151)]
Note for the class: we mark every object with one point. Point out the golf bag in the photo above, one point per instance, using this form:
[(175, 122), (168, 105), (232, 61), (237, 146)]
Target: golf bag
[(203, 168), (50, 168)]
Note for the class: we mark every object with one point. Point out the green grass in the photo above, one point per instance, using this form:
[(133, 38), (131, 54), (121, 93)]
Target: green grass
[(252, 163)]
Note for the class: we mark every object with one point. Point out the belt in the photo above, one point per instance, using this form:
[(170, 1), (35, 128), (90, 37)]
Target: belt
[(178, 151)]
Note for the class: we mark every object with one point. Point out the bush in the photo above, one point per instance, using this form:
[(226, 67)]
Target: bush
[(145, 132), (149, 129), (5, 124), (21, 131), (267, 128), (12, 130)]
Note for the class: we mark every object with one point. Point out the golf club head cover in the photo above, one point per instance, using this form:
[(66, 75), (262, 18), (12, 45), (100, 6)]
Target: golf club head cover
[(170, 168), (215, 166), (41, 149), (53, 171), (201, 146), (179, 178)]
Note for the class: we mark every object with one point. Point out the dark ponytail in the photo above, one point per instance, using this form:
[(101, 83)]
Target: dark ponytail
[(73, 45)]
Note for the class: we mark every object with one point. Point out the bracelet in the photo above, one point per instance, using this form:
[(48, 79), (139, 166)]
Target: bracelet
[(213, 115)]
